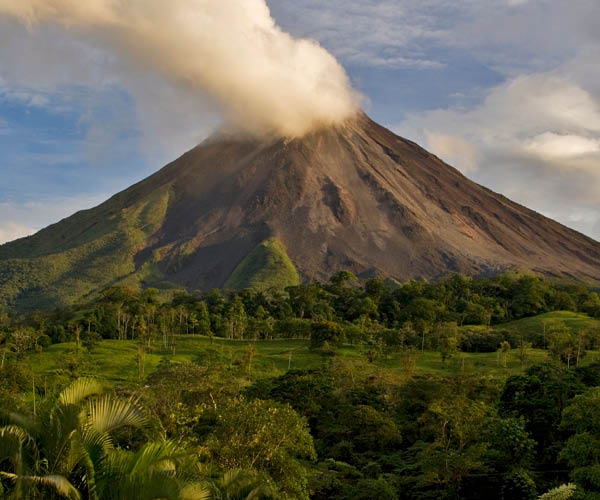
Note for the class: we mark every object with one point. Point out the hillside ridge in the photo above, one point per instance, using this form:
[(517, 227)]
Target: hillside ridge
[(354, 197)]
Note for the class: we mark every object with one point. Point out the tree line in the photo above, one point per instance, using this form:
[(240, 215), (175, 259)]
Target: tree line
[(379, 313)]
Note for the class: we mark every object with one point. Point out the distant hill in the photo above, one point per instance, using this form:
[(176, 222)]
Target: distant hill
[(536, 325), (245, 212)]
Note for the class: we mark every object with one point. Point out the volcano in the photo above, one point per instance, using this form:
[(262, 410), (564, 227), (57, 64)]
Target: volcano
[(241, 211)]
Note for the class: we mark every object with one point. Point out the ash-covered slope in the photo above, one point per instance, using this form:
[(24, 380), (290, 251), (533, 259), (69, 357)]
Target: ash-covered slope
[(355, 197)]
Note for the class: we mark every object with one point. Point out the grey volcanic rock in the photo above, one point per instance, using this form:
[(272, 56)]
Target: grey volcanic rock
[(358, 198)]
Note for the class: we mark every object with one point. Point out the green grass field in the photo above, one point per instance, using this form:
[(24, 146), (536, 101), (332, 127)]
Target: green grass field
[(575, 321), (117, 362)]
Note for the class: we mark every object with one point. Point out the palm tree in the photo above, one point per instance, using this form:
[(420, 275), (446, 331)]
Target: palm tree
[(69, 450), (157, 470), (241, 484)]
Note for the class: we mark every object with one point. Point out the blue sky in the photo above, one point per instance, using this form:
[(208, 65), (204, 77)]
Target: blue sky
[(508, 91)]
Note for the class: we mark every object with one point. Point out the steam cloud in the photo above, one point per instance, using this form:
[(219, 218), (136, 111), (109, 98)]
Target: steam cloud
[(265, 80)]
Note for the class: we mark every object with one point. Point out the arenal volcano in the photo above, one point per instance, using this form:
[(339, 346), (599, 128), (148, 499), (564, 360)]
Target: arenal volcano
[(352, 197)]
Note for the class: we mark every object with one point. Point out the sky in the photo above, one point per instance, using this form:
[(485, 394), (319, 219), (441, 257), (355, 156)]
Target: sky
[(507, 91)]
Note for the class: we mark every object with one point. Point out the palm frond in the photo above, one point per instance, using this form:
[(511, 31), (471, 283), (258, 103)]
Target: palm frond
[(117, 485), (12, 440), (195, 491), (58, 430), (242, 484), (59, 483), (107, 414), (94, 439), (87, 448), (152, 472), (15, 432), (80, 389), (160, 456)]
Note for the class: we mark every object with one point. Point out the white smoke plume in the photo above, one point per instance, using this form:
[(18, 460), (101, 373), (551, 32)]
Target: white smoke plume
[(265, 80)]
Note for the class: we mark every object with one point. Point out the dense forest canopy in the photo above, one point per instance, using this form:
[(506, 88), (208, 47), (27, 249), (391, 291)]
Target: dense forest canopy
[(366, 415)]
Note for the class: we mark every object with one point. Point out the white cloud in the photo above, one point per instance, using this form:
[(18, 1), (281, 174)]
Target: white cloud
[(77, 78), (455, 150), (560, 147), (10, 230)]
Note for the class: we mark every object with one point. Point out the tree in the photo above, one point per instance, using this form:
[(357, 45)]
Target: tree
[(503, 353), (523, 353), (203, 318), (261, 325), (566, 347), (339, 279), (326, 332), (564, 302), (370, 430), (549, 328), (582, 450), (267, 437), (175, 389), (592, 305), (369, 489), (23, 340), (528, 296), (510, 445), (305, 391), (518, 484), (448, 337), (539, 396), (235, 320), (456, 424), (16, 379), (476, 314), (4, 319), (562, 492)]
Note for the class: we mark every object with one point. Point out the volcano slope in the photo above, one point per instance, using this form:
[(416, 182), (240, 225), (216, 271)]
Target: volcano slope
[(354, 197)]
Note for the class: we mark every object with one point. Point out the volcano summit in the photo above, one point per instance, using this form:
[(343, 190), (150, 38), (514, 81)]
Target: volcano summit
[(241, 212)]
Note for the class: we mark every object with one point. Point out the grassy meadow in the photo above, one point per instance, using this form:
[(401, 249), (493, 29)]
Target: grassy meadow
[(117, 360)]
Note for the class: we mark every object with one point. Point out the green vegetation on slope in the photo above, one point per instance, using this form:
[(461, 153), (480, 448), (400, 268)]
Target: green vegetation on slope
[(267, 266), (96, 250), (529, 327)]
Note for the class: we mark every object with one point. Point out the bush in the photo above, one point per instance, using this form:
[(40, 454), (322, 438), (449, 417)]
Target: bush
[(293, 328), (44, 341), (368, 489), (563, 492), (326, 332), (481, 341), (59, 335), (90, 340)]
